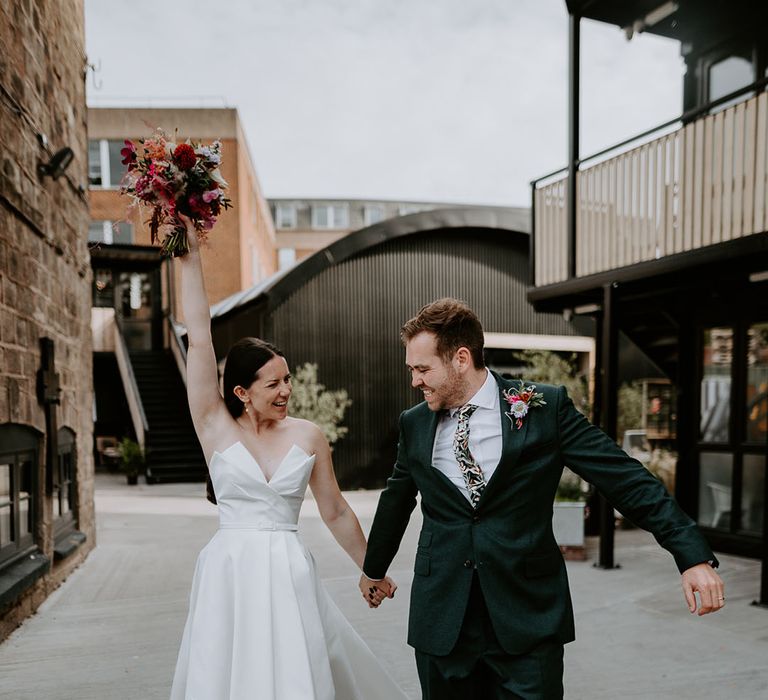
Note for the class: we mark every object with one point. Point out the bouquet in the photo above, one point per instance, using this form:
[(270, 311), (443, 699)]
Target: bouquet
[(175, 179)]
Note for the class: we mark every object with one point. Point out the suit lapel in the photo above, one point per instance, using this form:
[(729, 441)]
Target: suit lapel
[(425, 449), (512, 441)]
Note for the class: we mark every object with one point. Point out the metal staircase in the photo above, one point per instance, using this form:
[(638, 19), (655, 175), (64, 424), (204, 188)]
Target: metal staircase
[(172, 450)]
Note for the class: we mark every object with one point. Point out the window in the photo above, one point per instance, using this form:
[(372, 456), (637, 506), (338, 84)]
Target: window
[(105, 167), (64, 493), (405, 209), (110, 232), (285, 216), (729, 74), (19, 458), (715, 491), (286, 257), (255, 264), (716, 385), (756, 413), (103, 288), (94, 163), (372, 214), (326, 216)]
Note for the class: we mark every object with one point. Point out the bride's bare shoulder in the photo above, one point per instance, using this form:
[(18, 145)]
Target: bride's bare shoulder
[(305, 433)]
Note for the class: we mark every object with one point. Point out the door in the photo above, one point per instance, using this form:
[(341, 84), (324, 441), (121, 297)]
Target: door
[(733, 429)]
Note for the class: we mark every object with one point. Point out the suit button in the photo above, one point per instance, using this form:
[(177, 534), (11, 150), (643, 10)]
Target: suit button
[(468, 564), (476, 519)]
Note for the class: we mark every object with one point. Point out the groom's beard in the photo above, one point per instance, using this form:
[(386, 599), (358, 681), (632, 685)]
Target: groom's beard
[(452, 393)]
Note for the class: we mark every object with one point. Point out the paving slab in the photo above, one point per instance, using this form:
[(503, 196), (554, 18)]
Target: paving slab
[(111, 631)]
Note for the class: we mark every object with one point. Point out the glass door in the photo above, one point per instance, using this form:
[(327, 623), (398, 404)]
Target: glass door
[(755, 430), (715, 453), (138, 307), (733, 428)]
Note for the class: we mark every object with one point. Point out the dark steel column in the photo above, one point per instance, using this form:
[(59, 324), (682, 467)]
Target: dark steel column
[(532, 240), (609, 351), (573, 136), (763, 600)]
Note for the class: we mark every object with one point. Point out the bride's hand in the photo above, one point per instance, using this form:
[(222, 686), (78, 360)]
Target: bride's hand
[(392, 587), (194, 244)]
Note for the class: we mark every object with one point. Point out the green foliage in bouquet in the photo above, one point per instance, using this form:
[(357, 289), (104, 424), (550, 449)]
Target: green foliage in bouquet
[(312, 401)]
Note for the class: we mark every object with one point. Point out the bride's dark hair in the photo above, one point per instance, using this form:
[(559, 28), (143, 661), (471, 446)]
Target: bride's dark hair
[(241, 368), (244, 360)]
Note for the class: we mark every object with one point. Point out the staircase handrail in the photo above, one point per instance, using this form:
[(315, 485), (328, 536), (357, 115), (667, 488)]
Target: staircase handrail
[(130, 386), (178, 349)]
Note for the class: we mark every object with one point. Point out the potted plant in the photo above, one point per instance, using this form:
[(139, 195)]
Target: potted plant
[(131, 460), (568, 516)]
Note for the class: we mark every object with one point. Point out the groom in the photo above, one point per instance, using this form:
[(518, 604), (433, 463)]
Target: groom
[(490, 605)]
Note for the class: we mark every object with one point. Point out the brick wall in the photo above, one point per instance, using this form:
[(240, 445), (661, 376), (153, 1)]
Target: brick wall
[(44, 264)]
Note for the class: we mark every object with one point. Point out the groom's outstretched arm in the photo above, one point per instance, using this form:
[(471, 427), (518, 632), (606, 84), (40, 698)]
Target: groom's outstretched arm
[(396, 504), (640, 496)]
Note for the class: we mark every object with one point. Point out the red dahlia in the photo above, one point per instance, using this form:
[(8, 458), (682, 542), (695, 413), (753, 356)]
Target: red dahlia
[(184, 156)]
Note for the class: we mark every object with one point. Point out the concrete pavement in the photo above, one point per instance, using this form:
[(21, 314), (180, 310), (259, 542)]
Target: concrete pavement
[(111, 632)]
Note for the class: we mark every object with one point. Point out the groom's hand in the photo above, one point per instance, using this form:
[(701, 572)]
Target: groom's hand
[(703, 579), (375, 591)]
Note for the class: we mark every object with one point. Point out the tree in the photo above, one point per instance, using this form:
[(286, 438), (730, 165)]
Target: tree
[(630, 408), (549, 368), (312, 401)]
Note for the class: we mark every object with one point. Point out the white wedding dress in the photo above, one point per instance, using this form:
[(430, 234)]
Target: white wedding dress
[(261, 625)]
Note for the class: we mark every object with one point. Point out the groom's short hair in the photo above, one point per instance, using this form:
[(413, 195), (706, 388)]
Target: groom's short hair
[(454, 325)]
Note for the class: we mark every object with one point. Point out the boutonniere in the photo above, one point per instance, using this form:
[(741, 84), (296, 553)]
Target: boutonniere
[(520, 400)]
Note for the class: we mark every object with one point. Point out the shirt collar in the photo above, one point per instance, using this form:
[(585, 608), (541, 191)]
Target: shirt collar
[(487, 396)]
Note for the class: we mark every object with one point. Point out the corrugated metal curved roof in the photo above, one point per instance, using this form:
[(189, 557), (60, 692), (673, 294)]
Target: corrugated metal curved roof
[(277, 287)]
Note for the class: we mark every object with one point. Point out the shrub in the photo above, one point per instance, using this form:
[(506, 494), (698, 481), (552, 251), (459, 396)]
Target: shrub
[(312, 401)]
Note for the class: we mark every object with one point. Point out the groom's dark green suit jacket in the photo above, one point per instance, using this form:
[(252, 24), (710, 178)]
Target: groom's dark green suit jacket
[(508, 538)]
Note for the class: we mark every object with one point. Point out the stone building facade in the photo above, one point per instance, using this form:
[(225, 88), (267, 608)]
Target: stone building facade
[(46, 467)]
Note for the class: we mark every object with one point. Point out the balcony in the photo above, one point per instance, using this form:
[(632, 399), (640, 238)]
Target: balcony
[(699, 185)]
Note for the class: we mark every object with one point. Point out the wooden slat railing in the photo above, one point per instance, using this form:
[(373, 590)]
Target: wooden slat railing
[(703, 184)]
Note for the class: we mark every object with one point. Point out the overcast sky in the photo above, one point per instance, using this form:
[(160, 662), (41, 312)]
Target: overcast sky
[(444, 100)]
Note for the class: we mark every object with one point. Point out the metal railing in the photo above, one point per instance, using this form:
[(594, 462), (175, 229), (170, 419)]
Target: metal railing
[(130, 386), (701, 184)]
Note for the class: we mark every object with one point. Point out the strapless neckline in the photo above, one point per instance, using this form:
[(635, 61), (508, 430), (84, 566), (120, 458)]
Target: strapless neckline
[(260, 471)]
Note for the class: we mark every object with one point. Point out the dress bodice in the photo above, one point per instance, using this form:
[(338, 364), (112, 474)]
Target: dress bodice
[(247, 499)]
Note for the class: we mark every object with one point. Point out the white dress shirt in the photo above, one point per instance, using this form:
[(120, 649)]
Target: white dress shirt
[(484, 436)]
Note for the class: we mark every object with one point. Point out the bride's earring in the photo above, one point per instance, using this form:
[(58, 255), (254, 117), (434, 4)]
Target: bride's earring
[(246, 406)]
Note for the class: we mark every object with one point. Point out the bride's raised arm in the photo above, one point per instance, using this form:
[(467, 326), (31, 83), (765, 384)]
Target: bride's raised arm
[(205, 402)]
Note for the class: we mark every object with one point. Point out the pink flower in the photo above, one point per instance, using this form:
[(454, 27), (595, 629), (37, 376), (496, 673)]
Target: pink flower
[(210, 195)]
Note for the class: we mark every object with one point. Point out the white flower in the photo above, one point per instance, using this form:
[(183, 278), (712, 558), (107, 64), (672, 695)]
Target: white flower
[(519, 409)]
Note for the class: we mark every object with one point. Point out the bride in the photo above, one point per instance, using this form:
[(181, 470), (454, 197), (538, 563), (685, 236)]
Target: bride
[(261, 625)]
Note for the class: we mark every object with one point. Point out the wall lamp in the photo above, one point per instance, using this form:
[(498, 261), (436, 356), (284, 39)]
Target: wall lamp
[(58, 163)]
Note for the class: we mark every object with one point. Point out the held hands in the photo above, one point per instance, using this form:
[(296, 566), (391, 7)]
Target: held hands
[(375, 591), (703, 579)]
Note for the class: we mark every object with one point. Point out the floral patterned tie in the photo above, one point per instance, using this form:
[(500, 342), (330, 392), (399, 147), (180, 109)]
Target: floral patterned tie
[(470, 469)]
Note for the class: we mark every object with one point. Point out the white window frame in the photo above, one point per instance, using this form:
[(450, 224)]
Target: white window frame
[(337, 216), (368, 219), (286, 257), (106, 174), (255, 264), (405, 209), (280, 211), (108, 232)]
